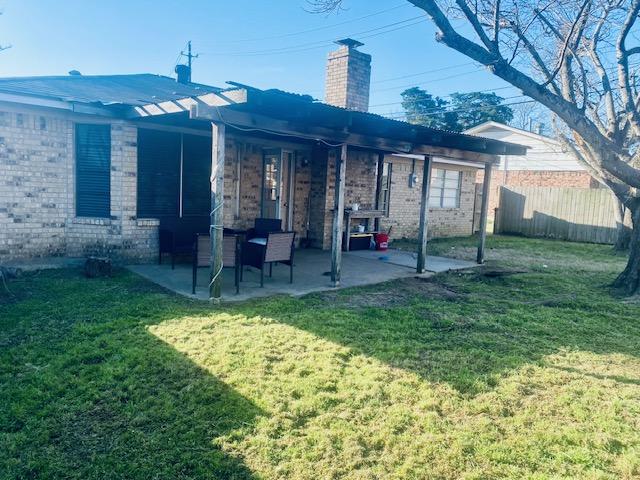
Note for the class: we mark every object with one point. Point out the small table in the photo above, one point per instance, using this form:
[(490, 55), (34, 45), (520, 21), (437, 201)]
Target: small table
[(367, 215)]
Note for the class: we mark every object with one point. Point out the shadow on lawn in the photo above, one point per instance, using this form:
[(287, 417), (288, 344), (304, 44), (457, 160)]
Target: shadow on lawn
[(467, 337), (90, 393)]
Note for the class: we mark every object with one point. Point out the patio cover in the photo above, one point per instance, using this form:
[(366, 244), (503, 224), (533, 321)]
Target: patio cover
[(281, 114)]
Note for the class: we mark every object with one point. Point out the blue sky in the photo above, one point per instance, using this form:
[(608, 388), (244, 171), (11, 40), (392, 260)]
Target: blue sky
[(253, 42)]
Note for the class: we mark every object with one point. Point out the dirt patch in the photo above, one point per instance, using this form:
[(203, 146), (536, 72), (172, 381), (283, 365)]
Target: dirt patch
[(393, 294)]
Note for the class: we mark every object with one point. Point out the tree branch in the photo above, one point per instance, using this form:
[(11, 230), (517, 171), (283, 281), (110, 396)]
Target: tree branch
[(567, 111), (475, 23), (612, 118), (567, 40), (623, 67)]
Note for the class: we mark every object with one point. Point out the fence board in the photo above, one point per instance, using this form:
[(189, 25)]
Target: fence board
[(575, 214)]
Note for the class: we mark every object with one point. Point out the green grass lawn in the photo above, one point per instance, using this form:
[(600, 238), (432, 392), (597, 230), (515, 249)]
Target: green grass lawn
[(530, 375)]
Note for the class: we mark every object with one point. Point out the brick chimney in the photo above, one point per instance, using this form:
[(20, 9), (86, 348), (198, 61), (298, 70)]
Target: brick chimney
[(348, 76)]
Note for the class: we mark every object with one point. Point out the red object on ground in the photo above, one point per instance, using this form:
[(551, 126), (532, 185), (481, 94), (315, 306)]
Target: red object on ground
[(382, 241)]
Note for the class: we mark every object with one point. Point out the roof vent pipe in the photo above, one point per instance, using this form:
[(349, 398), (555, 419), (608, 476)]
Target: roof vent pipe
[(184, 73)]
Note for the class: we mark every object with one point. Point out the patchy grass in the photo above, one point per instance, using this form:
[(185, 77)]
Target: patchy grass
[(530, 375)]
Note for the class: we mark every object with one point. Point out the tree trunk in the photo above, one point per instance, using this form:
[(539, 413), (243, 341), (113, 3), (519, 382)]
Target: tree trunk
[(623, 226), (629, 280)]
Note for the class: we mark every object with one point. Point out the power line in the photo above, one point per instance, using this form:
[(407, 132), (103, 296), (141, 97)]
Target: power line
[(175, 63), (316, 29), (455, 76), (383, 29), (410, 85), (478, 68), (424, 73)]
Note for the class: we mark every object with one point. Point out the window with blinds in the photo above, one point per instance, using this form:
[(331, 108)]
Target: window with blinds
[(445, 188), (93, 170)]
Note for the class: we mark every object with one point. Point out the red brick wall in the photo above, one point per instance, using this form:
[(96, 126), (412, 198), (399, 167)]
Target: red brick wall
[(534, 178)]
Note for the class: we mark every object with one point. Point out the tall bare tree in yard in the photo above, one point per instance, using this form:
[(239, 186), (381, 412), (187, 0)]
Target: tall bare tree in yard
[(575, 57)]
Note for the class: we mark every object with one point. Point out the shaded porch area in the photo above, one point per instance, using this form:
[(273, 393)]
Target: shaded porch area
[(327, 163), (311, 274)]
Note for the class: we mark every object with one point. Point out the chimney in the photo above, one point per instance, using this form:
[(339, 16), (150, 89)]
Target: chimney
[(348, 76), (184, 73)]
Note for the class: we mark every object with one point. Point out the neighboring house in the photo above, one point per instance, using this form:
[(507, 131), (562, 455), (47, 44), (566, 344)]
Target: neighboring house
[(545, 163), (101, 164)]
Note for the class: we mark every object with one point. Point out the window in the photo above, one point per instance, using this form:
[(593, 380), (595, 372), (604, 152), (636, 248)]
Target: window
[(385, 188), (158, 173), (445, 188), (93, 170), (196, 173)]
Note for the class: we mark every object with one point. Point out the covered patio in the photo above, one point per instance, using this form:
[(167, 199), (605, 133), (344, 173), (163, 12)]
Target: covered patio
[(327, 145), (311, 274)]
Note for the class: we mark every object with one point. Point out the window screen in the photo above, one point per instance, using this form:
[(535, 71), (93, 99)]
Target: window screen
[(93, 170), (445, 188)]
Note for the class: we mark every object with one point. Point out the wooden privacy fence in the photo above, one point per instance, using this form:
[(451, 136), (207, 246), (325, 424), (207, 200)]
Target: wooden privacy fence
[(575, 214)]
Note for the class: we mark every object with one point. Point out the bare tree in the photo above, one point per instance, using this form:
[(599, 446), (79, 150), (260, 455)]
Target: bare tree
[(574, 57), (531, 117)]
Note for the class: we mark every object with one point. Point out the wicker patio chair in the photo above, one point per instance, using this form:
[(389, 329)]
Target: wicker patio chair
[(230, 256), (278, 248)]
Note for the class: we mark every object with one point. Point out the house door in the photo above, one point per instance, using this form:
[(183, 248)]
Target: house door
[(277, 194), (271, 184)]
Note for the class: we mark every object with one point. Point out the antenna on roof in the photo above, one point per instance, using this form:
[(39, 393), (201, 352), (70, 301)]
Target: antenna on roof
[(189, 55), (184, 71)]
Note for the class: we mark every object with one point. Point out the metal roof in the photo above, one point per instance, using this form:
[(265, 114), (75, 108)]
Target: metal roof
[(307, 114), (141, 95), (134, 90)]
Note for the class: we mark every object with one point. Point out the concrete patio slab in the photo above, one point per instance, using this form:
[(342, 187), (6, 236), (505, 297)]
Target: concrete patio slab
[(311, 269), (409, 259)]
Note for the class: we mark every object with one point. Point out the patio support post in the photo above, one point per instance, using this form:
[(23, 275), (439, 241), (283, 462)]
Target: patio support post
[(379, 170), (338, 217), (217, 202), (424, 215), (484, 210)]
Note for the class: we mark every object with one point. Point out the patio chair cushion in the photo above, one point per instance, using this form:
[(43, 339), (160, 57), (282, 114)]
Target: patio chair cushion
[(264, 226)]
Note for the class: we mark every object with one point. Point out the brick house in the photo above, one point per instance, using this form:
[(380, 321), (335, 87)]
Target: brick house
[(98, 164), (545, 163)]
